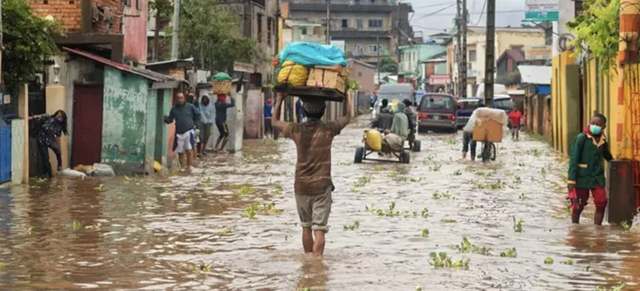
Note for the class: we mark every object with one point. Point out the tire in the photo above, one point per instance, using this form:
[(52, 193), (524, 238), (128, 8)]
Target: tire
[(417, 146), (485, 152), (405, 157), (359, 155)]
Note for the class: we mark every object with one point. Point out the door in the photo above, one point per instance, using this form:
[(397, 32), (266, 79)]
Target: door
[(87, 125)]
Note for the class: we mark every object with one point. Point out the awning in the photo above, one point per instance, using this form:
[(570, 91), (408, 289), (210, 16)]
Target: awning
[(439, 80)]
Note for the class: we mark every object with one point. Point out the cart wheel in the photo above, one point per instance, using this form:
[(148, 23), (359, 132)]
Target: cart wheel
[(405, 157), (359, 155), (417, 146), (493, 151)]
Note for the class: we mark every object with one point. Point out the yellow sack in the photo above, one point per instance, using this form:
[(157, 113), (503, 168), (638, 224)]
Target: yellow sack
[(293, 74), (157, 166), (373, 139)]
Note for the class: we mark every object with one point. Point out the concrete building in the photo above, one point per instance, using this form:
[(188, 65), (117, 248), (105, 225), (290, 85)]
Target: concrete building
[(414, 59), (371, 29), (507, 38)]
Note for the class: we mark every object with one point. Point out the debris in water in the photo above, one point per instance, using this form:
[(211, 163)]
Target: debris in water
[(548, 261), (510, 253), (425, 233), (517, 226), (353, 226)]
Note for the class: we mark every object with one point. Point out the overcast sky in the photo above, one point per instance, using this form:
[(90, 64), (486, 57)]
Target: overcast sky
[(509, 12)]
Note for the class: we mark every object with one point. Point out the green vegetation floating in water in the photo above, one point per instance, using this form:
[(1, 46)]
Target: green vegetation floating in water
[(362, 181), (390, 212), (548, 261), (626, 225), (245, 190), (510, 253), (425, 212), (76, 225), (457, 173), (255, 208), (518, 226), (100, 188), (448, 220), (2, 267), (568, 262), (425, 233), (354, 226), (442, 260), (437, 195), (467, 247), (615, 288)]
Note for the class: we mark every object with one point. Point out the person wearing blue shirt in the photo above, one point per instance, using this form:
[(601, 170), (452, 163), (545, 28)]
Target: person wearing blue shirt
[(206, 123), (268, 114)]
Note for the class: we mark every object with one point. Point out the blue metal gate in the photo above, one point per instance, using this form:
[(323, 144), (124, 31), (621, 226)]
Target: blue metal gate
[(5, 152)]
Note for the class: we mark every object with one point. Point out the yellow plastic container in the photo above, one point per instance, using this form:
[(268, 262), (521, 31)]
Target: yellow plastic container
[(157, 166), (373, 140)]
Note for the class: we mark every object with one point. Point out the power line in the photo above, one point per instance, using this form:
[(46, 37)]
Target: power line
[(481, 13), (433, 5), (436, 12), (476, 13)]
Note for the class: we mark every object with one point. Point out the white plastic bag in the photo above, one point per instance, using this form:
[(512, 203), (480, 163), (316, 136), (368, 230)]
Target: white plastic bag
[(73, 173), (102, 170), (483, 114)]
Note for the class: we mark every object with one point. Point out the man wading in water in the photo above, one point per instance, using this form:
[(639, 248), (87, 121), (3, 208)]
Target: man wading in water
[(313, 185), (186, 117)]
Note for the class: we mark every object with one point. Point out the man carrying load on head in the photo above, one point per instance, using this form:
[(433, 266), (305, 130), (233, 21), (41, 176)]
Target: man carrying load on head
[(313, 184), (221, 121)]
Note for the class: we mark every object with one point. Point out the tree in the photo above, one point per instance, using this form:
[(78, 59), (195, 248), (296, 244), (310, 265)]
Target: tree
[(210, 35), (163, 9), (388, 65), (28, 43), (598, 28)]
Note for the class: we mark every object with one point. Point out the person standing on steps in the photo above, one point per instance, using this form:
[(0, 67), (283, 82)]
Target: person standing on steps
[(48, 130), (221, 121), (586, 170), (186, 116), (313, 185)]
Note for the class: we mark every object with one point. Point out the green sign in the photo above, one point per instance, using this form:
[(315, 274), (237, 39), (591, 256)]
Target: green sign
[(542, 16)]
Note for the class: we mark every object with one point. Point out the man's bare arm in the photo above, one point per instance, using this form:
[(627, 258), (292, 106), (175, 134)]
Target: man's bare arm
[(346, 113), (278, 124)]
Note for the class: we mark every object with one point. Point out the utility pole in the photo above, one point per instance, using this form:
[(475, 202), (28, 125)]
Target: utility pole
[(328, 21), (490, 58), (459, 47), (463, 58), (174, 37), (378, 66)]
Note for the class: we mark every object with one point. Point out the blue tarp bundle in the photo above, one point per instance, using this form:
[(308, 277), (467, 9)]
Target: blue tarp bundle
[(311, 54)]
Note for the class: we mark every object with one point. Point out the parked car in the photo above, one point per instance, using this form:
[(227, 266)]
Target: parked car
[(465, 109), (503, 102), (437, 112)]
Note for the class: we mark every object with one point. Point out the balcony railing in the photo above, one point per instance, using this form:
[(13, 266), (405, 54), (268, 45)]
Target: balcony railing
[(363, 6), (360, 33), (344, 2)]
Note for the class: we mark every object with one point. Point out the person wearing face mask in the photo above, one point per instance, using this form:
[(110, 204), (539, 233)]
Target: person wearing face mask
[(48, 129), (586, 170)]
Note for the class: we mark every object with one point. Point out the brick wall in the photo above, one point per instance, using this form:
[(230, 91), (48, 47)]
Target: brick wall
[(69, 14)]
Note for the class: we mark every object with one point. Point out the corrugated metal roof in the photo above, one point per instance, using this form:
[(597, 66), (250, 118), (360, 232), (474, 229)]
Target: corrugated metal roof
[(147, 74), (539, 75)]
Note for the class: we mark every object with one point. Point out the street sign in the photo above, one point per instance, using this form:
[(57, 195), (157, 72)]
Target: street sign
[(244, 67), (542, 10), (538, 52)]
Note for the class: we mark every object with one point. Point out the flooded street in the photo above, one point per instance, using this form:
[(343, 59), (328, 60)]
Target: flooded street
[(203, 231)]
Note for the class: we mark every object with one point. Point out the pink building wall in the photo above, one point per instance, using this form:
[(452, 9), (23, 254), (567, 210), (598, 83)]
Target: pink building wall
[(135, 30)]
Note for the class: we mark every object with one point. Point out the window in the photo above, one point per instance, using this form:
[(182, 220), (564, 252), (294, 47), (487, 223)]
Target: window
[(269, 30), (374, 48), (359, 21), (359, 48), (345, 23), (138, 4), (303, 31), (472, 55), (375, 23), (259, 36)]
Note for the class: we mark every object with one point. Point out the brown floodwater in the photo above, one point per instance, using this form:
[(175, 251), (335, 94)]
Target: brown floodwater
[(188, 232)]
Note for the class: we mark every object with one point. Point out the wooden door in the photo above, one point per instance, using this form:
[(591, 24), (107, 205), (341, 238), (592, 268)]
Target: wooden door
[(87, 125)]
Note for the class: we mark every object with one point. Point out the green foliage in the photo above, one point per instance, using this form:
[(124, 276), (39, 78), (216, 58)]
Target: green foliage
[(598, 27), (442, 260), (467, 247), (211, 36), (548, 261), (510, 253), (28, 43), (354, 226), (388, 65), (164, 8)]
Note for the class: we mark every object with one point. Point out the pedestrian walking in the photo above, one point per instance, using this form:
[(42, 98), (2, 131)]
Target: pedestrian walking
[(313, 185), (206, 123), (186, 116), (411, 116), (586, 171), (221, 121), (268, 115), (515, 116), (48, 129)]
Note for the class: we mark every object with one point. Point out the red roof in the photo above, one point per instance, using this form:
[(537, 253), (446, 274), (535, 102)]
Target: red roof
[(516, 55)]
